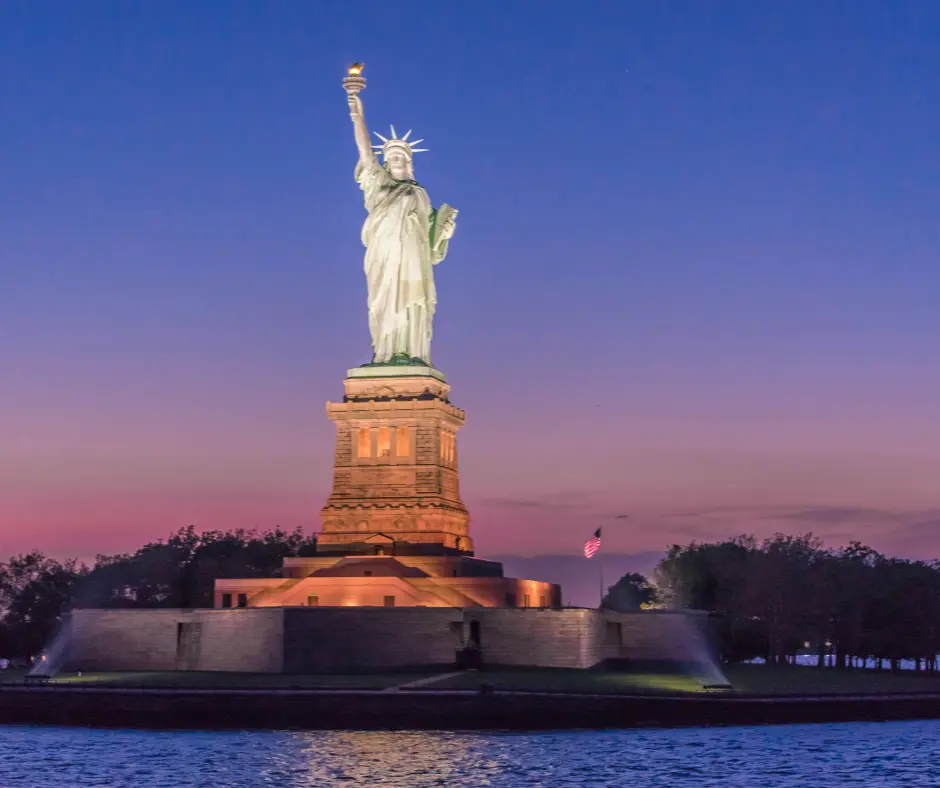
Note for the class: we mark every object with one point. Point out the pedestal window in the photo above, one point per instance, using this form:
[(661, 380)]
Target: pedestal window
[(364, 443), (384, 442), (402, 442), (448, 448)]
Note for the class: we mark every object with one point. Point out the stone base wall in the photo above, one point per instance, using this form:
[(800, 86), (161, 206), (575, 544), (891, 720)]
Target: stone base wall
[(333, 640), (659, 636), (337, 639), (242, 640), (546, 638)]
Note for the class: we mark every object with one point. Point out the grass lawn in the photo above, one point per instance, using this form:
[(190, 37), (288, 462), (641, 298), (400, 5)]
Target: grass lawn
[(224, 680), (584, 681), (523, 680), (800, 680), (12, 675), (750, 679)]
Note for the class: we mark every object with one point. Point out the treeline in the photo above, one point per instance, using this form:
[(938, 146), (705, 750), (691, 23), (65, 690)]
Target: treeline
[(37, 591), (791, 594), (773, 599)]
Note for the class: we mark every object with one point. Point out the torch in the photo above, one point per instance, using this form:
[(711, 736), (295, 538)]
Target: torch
[(354, 82)]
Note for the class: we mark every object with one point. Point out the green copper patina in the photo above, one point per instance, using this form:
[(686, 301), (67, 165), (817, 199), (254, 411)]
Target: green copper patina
[(400, 360)]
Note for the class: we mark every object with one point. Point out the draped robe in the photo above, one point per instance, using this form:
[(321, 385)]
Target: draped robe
[(400, 254)]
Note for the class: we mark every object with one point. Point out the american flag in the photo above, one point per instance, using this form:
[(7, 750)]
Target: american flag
[(593, 544)]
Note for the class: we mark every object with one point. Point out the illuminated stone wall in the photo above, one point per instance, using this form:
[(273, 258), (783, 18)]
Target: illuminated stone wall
[(663, 636), (550, 638), (246, 640), (338, 639), (298, 640), (410, 581), (395, 470)]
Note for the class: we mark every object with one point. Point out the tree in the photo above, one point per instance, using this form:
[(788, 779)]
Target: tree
[(779, 592), (35, 593), (712, 577), (629, 593), (181, 571)]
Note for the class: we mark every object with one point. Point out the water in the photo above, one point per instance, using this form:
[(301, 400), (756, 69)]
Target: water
[(869, 754)]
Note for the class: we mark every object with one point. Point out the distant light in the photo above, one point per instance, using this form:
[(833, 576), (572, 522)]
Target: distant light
[(356, 69)]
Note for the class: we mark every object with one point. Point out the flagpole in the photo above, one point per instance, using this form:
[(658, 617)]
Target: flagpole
[(592, 547)]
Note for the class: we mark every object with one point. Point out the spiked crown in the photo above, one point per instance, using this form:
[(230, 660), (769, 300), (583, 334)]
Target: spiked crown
[(395, 142)]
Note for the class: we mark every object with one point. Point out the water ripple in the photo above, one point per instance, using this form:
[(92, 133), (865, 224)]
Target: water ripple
[(873, 754)]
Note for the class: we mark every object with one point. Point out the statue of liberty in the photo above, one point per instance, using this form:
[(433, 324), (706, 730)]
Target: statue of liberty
[(404, 239)]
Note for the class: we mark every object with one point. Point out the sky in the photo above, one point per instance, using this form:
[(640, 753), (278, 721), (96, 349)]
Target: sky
[(692, 293)]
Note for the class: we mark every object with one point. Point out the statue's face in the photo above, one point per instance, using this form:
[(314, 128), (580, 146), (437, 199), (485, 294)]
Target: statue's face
[(399, 165)]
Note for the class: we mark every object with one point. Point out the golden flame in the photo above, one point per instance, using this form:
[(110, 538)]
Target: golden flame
[(355, 69)]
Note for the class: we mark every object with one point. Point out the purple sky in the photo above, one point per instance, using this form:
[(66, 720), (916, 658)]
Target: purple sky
[(695, 279)]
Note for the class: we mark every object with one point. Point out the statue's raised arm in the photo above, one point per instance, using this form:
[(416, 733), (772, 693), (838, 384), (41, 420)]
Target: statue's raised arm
[(360, 131), (355, 83)]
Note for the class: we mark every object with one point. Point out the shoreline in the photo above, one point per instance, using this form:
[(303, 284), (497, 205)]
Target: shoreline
[(351, 709)]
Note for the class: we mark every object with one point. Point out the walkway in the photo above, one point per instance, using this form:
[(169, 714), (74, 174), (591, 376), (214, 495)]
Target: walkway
[(423, 682)]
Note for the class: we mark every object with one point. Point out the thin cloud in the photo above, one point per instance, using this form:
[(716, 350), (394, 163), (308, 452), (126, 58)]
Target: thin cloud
[(835, 514), (552, 503), (918, 530)]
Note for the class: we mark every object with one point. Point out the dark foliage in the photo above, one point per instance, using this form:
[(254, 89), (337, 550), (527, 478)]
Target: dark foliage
[(36, 591), (790, 594), (630, 592)]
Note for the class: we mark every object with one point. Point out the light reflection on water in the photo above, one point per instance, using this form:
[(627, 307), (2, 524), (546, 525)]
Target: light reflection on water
[(882, 754)]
